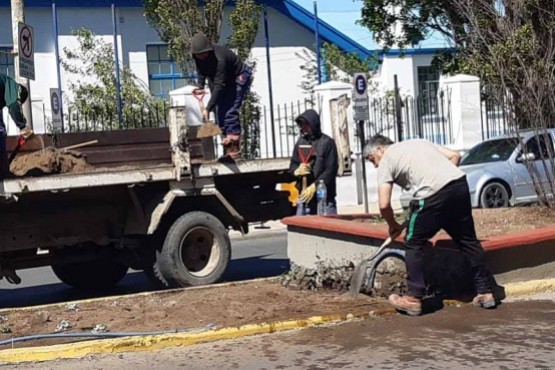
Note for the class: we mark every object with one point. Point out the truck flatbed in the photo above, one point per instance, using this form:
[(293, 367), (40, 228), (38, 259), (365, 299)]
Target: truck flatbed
[(128, 175)]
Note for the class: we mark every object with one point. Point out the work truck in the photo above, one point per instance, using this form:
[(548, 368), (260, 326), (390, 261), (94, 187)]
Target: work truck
[(155, 199)]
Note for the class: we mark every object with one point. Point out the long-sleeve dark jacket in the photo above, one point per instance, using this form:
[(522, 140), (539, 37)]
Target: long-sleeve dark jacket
[(9, 94), (221, 69), (324, 162)]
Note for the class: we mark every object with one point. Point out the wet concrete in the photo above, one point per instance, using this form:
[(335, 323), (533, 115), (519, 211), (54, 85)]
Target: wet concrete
[(517, 335)]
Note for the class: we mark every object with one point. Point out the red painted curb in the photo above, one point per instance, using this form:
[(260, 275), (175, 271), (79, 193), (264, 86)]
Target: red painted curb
[(345, 224)]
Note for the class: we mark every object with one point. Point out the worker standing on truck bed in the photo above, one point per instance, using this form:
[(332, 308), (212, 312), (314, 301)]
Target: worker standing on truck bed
[(314, 157), (441, 200), (13, 96), (229, 80)]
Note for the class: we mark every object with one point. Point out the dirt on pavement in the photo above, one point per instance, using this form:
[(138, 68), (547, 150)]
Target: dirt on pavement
[(49, 161), (226, 306)]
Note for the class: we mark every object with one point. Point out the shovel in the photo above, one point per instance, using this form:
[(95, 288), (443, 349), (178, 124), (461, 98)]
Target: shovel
[(208, 129), (305, 152), (21, 141), (360, 269)]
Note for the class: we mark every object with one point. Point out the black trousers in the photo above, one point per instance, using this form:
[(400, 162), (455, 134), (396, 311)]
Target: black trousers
[(448, 209)]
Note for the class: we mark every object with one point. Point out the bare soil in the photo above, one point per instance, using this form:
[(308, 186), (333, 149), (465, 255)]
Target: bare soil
[(502, 221), (49, 161), (249, 303)]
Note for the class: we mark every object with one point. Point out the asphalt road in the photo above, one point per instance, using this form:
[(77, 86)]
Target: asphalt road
[(255, 256), (517, 335)]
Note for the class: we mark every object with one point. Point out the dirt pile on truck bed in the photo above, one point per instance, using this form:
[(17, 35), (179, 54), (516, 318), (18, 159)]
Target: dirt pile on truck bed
[(49, 161)]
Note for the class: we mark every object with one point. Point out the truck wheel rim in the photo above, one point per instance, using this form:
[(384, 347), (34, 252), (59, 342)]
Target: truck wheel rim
[(200, 251)]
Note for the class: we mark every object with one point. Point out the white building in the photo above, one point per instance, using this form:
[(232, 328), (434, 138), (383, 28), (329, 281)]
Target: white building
[(290, 31)]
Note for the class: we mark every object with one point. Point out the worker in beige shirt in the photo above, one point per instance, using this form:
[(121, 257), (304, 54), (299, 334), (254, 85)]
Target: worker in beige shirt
[(441, 200)]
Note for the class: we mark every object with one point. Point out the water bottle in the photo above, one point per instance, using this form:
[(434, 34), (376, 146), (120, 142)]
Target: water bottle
[(322, 196)]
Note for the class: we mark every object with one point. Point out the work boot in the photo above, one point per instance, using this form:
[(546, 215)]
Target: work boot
[(232, 147), (410, 305), (486, 300)]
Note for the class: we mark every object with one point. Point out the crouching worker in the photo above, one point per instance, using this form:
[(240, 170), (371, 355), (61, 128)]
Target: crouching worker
[(314, 158), (441, 201), (13, 96), (229, 80)]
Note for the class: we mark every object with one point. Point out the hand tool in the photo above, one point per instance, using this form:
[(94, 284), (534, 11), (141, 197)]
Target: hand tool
[(21, 141), (305, 152), (207, 129), (360, 269)]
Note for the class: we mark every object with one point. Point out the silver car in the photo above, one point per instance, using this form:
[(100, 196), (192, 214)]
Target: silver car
[(496, 170)]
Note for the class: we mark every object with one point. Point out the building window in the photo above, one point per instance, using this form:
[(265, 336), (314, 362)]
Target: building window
[(6, 61), (164, 74), (428, 86)]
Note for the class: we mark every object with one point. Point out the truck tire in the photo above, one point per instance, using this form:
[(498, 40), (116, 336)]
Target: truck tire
[(196, 251), (96, 274)]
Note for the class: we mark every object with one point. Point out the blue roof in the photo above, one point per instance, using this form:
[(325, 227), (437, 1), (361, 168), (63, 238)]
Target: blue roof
[(286, 7)]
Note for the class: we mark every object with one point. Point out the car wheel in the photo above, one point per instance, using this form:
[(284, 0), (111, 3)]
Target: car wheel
[(494, 195)]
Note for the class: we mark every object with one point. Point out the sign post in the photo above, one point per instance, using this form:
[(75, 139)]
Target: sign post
[(360, 98), (26, 51), (56, 108)]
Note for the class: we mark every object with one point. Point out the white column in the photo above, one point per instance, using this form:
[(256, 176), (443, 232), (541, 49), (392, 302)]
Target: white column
[(324, 94), (462, 99)]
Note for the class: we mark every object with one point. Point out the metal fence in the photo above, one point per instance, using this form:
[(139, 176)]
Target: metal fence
[(277, 140), (495, 117), (412, 117), (134, 115)]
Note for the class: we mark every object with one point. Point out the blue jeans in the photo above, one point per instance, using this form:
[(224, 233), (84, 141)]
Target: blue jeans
[(228, 106)]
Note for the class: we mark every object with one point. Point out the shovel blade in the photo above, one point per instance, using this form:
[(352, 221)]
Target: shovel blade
[(358, 278), (208, 130)]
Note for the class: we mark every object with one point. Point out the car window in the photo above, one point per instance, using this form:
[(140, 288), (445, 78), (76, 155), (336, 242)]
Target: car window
[(538, 145), (490, 151)]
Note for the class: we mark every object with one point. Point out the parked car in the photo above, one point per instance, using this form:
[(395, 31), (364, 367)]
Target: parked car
[(497, 173)]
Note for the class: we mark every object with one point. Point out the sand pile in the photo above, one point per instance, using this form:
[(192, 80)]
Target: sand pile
[(49, 161)]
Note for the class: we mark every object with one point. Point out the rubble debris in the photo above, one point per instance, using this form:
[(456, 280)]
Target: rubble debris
[(3, 318), (62, 326), (390, 277), (325, 276), (100, 328), (72, 307), (49, 160), (5, 329), (40, 317)]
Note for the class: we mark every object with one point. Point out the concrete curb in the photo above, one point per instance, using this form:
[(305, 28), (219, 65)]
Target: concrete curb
[(157, 342)]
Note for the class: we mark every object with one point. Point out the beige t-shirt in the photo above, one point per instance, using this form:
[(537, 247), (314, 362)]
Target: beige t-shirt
[(418, 167)]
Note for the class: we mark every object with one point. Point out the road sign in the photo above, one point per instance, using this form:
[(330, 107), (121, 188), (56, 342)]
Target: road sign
[(360, 97), (26, 51), (56, 107)]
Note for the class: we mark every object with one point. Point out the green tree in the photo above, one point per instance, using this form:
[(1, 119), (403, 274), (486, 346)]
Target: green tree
[(338, 66), (244, 19), (93, 95), (176, 21)]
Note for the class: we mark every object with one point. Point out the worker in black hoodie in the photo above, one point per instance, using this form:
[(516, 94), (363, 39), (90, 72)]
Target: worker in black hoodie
[(320, 162), (229, 80)]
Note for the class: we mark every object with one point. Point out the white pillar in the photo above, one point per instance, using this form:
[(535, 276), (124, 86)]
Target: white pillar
[(325, 93), (462, 99)]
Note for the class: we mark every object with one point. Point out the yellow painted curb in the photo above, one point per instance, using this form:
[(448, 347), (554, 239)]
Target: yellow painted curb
[(157, 342), (529, 287)]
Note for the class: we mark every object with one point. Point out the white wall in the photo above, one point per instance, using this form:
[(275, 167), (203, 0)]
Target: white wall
[(406, 69), (286, 38)]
